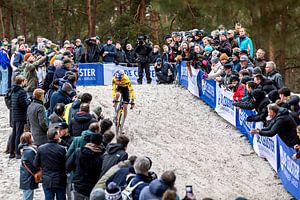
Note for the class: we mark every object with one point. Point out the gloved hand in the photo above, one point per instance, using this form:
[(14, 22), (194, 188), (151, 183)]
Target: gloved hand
[(249, 119)]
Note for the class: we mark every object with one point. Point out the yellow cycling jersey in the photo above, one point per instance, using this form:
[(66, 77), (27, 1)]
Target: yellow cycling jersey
[(125, 82)]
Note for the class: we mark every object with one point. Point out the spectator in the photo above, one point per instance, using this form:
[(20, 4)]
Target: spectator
[(115, 153), (216, 69), (289, 101), (57, 116), (82, 140), (158, 187), (65, 138), (223, 58), (4, 67), (81, 120), (61, 72), (250, 86), (120, 56), (19, 57), (61, 96), (19, 104), (263, 83), (154, 55), (97, 194), (244, 42), (52, 88), (225, 79), (86, 163), (94, 49), (224, 46), (141, 166), (170, 195), (36, 118), (108, 136), (164, 72), (51, 158), (79, 53), (259, 103), (108, 51), (236, 62), (27, 169), (113, 192), (231, 39), (131, 56), (259, 60), (274, 75), (282, 123), (105, 125), (143, 50), (237, 88), (246, 64), (50, 74)]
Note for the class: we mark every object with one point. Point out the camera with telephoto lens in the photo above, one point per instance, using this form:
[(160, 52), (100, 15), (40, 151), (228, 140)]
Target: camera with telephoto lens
[(141, 40)]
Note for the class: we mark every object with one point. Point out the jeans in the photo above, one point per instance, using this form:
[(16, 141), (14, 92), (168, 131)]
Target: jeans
[(78, 196), (51, 193), (141, 68), (27, 195), (18, 128), (3, 81)]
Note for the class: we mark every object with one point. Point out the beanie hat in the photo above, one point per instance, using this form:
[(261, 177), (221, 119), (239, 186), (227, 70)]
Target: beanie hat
[(257, 70), (244, 58), (113, 192), (237, 54), (234, 78), (96, 139), (245, 79), (224, 56), (214, 60), (97, 194), (41, 47), (27, 55), (244, 51), (208, 48)]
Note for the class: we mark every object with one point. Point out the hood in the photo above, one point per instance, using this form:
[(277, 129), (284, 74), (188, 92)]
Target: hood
[(16, 88), (94, 148), (113, 148), (82, 117), (267, 82), (90, 151), (272, 73), (87, 133), (157, 187), (294, 100), (282, 112), (76, 104), (51, 68)]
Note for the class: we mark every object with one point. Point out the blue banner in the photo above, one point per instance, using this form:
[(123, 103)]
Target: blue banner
[(207, 90), (243, 125), (90, 74), (183, 80), (288, 169)]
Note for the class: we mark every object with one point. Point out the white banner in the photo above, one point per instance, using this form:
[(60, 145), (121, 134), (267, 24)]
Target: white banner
[(193, 86), (131, 72), (224, 106), (265, 147)]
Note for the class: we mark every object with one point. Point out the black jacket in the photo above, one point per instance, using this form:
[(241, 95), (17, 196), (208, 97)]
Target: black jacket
[(86, 163), (79, 54), (120, 176), (143, 52), (19, 104), (131, 56), (93, 52), (284, 125), (27, 181), (51, 157), (111, 49), (60, 72), (80, 122), (225, 47), (114, 154), (59, 97), (120, 56), (267, 86), (153, 57), (49, 78)]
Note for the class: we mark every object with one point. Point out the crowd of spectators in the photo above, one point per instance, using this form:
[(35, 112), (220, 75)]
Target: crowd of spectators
[(73, 144)]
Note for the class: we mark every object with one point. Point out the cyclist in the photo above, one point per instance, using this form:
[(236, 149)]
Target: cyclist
[(121, 85)]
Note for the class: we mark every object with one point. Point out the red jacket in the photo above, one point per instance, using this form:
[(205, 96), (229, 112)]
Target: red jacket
[(239, 93)]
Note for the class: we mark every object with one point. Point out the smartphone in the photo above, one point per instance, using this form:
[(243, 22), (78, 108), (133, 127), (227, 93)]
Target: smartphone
[(189, 191)]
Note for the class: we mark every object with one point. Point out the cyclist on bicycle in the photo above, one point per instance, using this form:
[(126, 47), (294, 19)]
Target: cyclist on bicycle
[(121, 85)]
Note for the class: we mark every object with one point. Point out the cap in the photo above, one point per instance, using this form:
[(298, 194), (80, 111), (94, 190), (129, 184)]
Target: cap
[(168, 36), (214, 60), (98, 37), (244, 58), (62, 125), (257, 70), (109, 38), (245, 79)]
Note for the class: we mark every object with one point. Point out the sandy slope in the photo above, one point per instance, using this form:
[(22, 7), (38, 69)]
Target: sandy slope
[(181, 133)]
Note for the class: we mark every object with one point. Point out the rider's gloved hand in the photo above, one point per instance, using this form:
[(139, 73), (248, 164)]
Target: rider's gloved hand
[(132, 104)]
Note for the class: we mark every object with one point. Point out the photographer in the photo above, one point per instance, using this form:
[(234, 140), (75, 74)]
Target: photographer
[(94, 49), (143, 50), (164, 72)]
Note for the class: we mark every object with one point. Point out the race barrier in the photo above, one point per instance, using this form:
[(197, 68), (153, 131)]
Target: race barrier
[(96, 74), (277, 153)]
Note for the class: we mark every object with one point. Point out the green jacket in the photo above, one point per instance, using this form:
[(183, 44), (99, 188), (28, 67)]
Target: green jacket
[(78, 142)]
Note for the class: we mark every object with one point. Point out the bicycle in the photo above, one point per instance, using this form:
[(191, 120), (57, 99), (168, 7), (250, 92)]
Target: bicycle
[(119, 119)]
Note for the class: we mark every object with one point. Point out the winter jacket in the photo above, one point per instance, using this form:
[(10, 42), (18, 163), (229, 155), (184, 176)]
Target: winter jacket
[(111, 49), (154, 190), (4, 59), (71, 109), (103, 180), (27, 181), (267, 86), (60, 72), (114, 154), (216, 70), (86, 163), (131, 56), (48, 96), (66, 141), (225, 47), (284, 125), (59, 97), (244, 43), (79, 54), (120, 56), (79, 141), (261, 63), (153, 57), (276, 78), (93, 52), (139, 178), (51, 157), (236, 66), (80, 123), (143, 52), (249, 67), (165, 73), (239, 92), (120, 176), (18, 58), (36, 121), (19, 104), (49, 78)]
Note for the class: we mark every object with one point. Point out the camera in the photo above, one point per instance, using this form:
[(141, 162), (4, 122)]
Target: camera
[(141, 40)]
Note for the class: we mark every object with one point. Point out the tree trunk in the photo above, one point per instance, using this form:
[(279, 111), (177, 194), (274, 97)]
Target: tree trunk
[(64, 22), (2, 24), (93, 18), (23, 24), (14, 22), (52, 26), (89, 17), (154, 26), (141, 12)]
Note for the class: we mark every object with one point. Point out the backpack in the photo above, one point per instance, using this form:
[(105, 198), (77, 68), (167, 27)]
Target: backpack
[(127, 192), (7, 98)]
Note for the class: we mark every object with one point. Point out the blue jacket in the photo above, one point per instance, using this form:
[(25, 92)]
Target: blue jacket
[(154, 191), (4, 60), (60, 72), (139, 177), (111, 49), (243, 44), (59, 97), (19, 57)]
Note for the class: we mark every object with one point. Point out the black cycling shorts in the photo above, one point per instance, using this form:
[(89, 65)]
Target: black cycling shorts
[(125, 93)]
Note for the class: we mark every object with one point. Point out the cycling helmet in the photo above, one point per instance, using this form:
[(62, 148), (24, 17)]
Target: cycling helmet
[(119, 75)]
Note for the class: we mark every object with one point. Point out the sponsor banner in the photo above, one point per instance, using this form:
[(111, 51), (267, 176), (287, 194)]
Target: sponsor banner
[(266, 147), (131, 72), (207, 90), (244, 126), (183, 80), (288, 169), (193, 83), (90, 74), (224, 105)]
